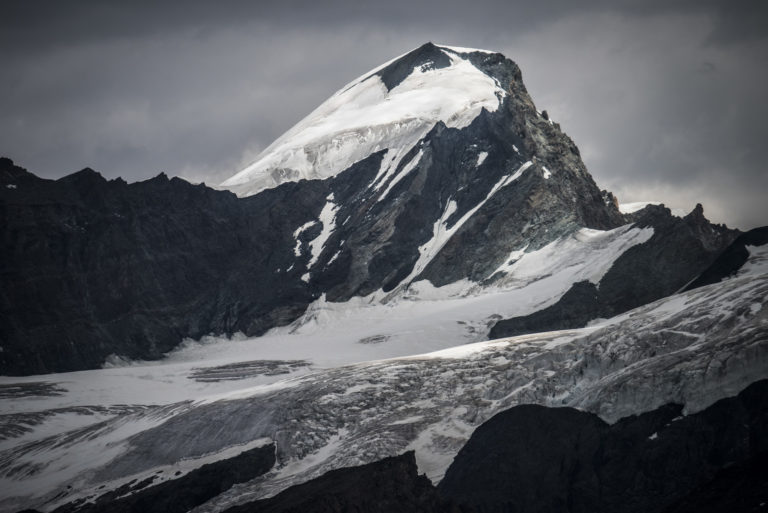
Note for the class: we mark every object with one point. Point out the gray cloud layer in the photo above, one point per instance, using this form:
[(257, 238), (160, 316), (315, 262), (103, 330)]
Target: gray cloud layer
[(665, 99)]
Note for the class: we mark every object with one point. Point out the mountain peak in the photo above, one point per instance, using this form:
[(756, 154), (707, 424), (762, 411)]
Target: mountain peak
[(84, 175), (426, 57), (391, 108)]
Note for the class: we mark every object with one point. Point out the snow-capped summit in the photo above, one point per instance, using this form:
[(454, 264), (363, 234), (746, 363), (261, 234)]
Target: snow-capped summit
[(390, 107), (431, 206)]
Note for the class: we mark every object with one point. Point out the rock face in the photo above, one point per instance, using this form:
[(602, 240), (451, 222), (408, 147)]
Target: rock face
[(95, 267), (181, 494), (391, 485), (677, 253), (738, 488), (732, 258), (532, 458)]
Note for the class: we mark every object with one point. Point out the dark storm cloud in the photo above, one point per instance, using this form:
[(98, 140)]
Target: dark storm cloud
[(665, 99)]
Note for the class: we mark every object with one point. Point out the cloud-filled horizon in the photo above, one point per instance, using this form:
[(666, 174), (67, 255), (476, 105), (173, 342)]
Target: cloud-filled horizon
[(666, 100)]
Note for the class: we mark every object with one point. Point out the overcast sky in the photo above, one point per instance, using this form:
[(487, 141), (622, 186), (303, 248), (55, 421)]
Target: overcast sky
[(666, 100)]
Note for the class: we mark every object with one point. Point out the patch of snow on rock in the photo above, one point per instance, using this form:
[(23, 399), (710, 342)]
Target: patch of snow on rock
[(328, 220), (631, 208)]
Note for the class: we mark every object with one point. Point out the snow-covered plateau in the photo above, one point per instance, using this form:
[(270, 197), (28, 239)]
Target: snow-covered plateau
[(692, 348)]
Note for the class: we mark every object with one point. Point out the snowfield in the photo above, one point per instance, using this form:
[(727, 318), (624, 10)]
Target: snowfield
[(692, 348)]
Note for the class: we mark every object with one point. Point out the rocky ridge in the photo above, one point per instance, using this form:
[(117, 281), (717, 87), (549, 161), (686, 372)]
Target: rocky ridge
[(681, 248)]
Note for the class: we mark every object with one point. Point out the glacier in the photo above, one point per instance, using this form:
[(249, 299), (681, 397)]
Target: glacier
[(692, 348)]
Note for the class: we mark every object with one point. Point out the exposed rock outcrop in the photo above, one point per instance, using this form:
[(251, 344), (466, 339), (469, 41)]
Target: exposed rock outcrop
[(732, 258), (180, 494), (531, 458), (679, 251), (391, 485)]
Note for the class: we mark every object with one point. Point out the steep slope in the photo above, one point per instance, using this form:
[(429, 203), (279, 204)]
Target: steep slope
[(391, 485), (692, 349), (732, 258), (680, 248), (181, 494), (434, 170), (532, 458)]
